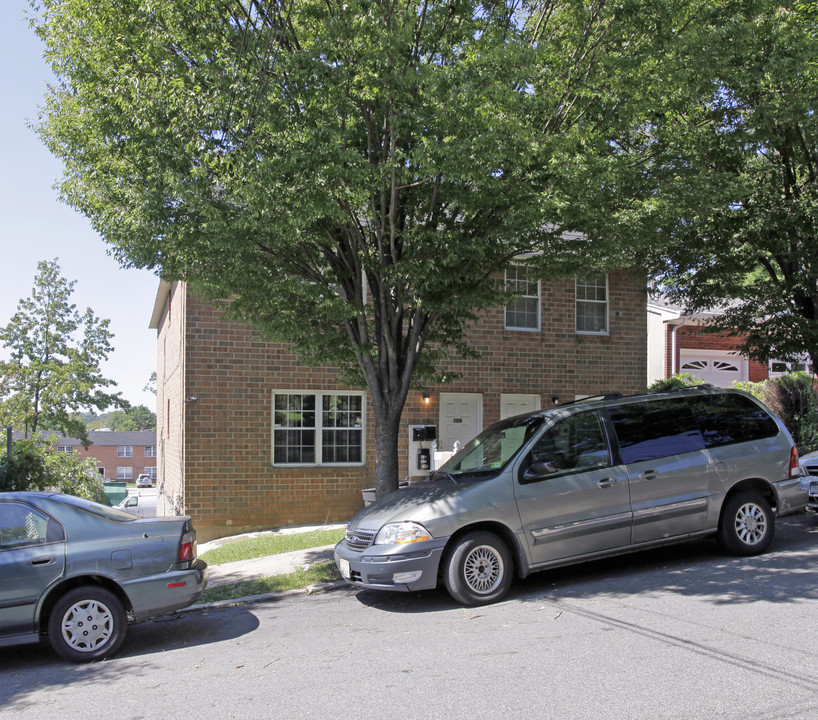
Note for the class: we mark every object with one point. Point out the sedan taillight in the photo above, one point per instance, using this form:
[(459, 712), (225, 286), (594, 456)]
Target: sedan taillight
[(186, 547)]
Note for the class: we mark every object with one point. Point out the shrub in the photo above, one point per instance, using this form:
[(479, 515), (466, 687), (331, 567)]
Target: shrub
[(674, 382), (794, 399)]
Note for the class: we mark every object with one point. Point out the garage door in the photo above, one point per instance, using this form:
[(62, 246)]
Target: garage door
[(721, 369)]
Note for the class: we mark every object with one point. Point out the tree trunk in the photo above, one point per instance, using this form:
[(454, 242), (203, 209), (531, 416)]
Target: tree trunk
[(387, 432)]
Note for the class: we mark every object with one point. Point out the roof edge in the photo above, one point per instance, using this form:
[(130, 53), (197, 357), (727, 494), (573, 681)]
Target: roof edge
[(162, 293)]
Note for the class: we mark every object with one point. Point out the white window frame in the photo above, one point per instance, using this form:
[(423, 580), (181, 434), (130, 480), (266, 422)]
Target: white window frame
[(578, 282), (124, 451), (150, 472), (124, 473), (64, 448), (150, 451), (318, 429), (520, 297), (796, 366)]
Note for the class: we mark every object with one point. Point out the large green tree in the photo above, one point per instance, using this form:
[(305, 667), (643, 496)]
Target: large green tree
[(53, 370), (737, 177), (351, 174)]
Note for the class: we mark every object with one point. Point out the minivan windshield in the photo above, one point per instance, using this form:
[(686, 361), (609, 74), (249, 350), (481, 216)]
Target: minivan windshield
[(491, 450)]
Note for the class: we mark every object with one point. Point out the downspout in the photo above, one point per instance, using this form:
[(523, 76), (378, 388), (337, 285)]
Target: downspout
[(674, 363)]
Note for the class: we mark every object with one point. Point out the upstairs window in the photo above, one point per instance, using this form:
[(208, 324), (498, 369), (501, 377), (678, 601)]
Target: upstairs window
[(522, 313), (592, 305), (124, 451)]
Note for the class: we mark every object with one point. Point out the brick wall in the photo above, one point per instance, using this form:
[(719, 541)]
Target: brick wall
[(220, 443)]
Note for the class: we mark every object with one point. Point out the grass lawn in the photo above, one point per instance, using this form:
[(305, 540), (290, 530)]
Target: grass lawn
[(262, 545)]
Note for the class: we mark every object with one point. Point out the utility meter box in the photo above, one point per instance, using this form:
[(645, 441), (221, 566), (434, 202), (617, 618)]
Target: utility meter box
[(421, 438)]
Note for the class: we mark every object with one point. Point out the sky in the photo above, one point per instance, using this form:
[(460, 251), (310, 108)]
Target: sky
[(35, 225)]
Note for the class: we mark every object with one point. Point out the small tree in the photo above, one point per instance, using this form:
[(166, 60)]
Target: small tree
[(35, 466), (54, 369)]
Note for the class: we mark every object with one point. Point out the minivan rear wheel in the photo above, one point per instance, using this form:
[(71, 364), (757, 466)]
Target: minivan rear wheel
[(479, 569), (747, 524)]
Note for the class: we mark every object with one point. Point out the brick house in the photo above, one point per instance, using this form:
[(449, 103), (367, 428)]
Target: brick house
[(679, 342), (249, 438), (120, 455)]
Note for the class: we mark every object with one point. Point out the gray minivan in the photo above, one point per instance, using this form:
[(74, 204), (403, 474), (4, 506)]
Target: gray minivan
[(594, 478)]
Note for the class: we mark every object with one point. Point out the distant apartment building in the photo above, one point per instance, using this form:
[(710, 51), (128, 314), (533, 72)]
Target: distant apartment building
[(120, 455)]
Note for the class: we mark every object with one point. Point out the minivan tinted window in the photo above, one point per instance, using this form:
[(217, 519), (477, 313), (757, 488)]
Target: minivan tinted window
[(655, 429), (727, 419)]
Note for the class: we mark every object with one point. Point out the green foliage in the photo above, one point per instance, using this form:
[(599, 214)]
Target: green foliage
[(794, 399), (136, 417), (756, 389), (36, 466), (53, 370), (674, 382), (737, 183)]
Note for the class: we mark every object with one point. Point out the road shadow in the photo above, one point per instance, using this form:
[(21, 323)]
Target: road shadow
[(786, 573), (26, 668)]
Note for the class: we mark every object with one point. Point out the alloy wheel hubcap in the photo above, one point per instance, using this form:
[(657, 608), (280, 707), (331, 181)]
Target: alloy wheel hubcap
[(751, 524), (483, 569)]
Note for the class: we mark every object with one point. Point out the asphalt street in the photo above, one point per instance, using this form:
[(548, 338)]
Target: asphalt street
[(682, 632)]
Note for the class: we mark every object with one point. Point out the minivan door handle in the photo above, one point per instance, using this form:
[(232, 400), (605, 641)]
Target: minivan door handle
[(607, 482), (42, 560), (649, 475)]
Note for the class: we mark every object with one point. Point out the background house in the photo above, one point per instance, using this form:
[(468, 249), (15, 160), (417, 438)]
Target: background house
[(680, 342), (119, 455), (249, 438)]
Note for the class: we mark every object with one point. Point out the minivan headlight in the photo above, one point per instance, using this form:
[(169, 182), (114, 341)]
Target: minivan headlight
[(401, 533)]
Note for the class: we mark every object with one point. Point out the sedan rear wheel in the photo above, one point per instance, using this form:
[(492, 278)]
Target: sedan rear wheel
[(87, 624)]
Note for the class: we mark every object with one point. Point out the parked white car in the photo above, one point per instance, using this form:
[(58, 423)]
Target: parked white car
[(809, 480), (144, 481), (140, 504)]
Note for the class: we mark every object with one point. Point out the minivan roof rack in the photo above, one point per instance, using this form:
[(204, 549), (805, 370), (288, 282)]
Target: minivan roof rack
[(591, 398)]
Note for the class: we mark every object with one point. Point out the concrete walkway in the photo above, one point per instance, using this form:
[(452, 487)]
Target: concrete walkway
[(269, 565)]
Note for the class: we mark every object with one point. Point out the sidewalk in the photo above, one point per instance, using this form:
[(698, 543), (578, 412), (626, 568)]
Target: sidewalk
[(267, 566)]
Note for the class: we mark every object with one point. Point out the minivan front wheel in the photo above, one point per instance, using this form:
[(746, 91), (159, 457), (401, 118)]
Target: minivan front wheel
[(747, 524), (479, 569)]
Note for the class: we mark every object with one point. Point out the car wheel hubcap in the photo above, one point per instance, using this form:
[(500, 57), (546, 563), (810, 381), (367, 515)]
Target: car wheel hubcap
[(751, 524), (87, 625), (483, 569)]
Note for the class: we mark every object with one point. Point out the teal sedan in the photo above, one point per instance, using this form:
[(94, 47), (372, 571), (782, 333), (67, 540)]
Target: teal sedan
[(78, 572)]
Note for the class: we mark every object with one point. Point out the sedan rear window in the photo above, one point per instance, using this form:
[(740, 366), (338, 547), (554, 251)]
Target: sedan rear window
[(96, 508)]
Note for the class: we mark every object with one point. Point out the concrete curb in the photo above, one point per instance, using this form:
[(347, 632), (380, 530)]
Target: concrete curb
[(266, 597)]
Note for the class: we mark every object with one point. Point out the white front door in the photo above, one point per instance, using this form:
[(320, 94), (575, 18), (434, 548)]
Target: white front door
[(461, 418), (511, 405), (714, 367)]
